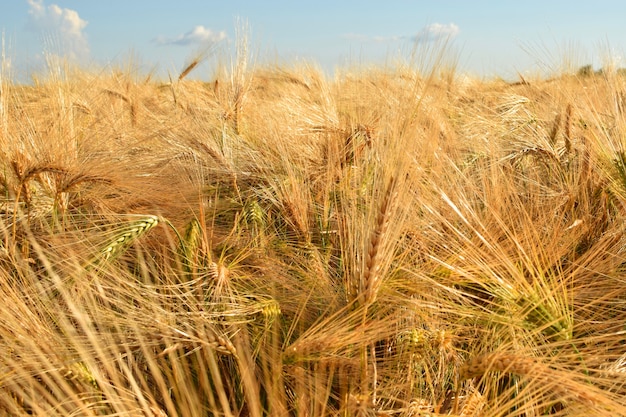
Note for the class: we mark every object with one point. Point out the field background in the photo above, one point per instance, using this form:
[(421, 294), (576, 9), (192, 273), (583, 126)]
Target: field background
[(399, 241)]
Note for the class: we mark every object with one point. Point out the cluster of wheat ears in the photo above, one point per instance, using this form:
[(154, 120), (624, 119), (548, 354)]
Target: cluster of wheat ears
[(398, 241)]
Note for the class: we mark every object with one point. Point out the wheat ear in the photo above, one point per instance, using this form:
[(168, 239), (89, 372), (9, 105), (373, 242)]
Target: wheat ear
[(539, 372), (189, 244), (189, 68), (556, 125), (128, 235), (473, 405), (370, 277), (132, 106), (116, 94), (567, 132)]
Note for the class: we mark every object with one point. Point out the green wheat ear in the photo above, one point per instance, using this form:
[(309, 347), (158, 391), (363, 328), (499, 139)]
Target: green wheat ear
[(540, 315), (189, 244), (619, 165), (126, 236), (254, 218), (81, 372), (270, 309)]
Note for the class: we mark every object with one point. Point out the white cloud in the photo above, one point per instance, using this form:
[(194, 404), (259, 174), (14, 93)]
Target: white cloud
[(437, 31), (63, 24), (430, 33), (199, 35)]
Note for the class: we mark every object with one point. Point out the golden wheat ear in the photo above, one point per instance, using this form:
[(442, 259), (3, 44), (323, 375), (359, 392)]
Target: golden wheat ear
[(371, 275), (564, 385), (194, 63)]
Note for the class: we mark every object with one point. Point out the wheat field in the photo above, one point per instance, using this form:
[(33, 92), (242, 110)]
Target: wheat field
[(391, 241)]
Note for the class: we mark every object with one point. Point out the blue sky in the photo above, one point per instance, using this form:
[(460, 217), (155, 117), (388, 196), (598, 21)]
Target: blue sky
[(488, 37)]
